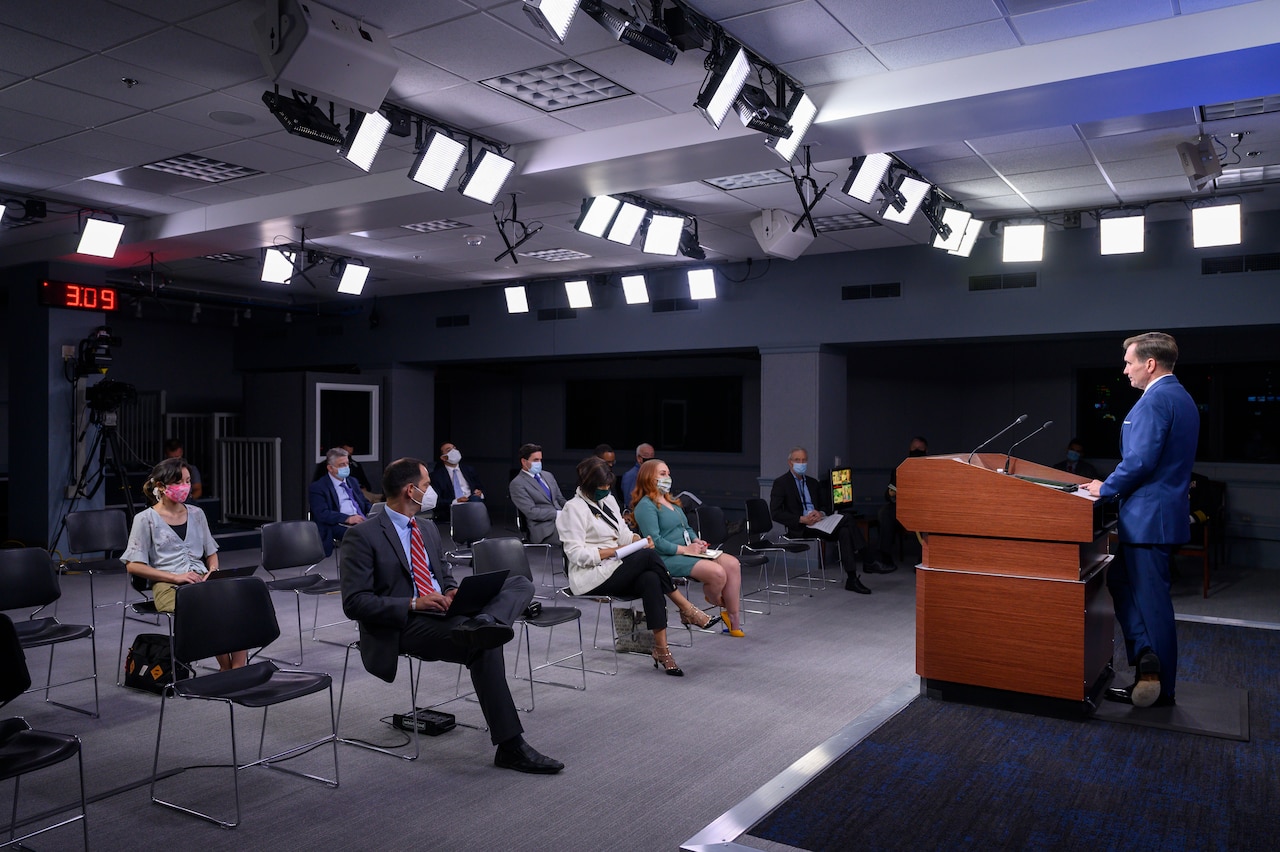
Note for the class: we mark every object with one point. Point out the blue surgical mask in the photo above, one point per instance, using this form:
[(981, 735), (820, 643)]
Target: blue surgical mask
[(801, 468), (535, 467), (344, 472), (1073, 456)]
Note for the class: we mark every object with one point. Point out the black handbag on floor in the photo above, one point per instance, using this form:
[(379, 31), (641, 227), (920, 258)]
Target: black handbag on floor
[(150, 666)]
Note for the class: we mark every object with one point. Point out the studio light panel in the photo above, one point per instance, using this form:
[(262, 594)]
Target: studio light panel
[(866, 176), (626, 223), (957, 220), (1122, 235), (277, 266), (635, 289), (517, 300), (913, 192), (722, 89), (364, 139), (663, 236), (597, 213), (484, 180), (437, 161), (100, 238), (1215, 226), (1023, 243)]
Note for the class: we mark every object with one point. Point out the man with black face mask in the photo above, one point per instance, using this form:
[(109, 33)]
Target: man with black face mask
[(890, 530)]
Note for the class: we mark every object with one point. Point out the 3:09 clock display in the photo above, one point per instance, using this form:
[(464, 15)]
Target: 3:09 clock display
[(61, 294)]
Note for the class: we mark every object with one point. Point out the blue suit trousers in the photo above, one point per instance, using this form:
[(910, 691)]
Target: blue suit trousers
[(1138, 580)]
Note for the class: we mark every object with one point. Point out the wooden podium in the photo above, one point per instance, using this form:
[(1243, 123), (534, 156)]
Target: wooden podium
[(1010, 594)]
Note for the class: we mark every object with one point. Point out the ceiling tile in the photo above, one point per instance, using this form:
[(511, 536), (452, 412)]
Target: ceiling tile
[(29, 128), (101, 76), (1090, 16), (472, 105), (179, 136), (264, 184), (92, 26), (61, 161), (192, 57), (948, 44), (477, 47), (33, 96), (968, 190), (395, 17), (228, 23), (256, 155), (27, 55), (834, 67), (1043, 158), (219, 194), (792, 33), (1142, 169), (608, 113), (640, 72), (1071, 197), (257, 119), (167, 10), (946, 171), (876, 23), (527, 130), (97, 143), (1024, 140), (1058, 179), (416, 77), (19, 177), (1137, 145)]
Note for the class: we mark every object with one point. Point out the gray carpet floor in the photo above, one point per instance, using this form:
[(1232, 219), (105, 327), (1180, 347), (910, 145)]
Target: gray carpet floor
[(650, 759)]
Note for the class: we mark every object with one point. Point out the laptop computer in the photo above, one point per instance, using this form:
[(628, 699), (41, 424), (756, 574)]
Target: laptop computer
[(473, 593), (229, 573)]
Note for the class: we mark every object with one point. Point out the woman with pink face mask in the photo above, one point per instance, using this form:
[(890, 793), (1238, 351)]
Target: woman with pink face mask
[(170, 543)]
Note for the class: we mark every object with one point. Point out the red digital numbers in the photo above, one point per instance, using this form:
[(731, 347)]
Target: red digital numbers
[(78, 296)]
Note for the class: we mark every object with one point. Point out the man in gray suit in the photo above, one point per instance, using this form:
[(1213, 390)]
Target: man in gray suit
[(397, 585), (536, 495)]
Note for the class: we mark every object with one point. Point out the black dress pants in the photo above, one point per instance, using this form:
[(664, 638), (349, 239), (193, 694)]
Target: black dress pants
[(642, 575)]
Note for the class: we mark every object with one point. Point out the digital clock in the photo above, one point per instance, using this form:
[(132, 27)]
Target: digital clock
[(61, 294)]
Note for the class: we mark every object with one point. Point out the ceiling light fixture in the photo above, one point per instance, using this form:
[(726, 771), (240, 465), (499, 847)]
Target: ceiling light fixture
[(1122, 234), (302, 117), (663, 234), (725, 79), (552, 16), (801, 112), (970, 238), (901, 205), (100, 237), (865, 176), (485, 176), (277, 266), (352, 277), (1215, 226), (635, 289), (702, 284), (436, 160), (956, 221), (579, 294), (365, 133), (627, 29), (597, 214), (690, 247), (757, 112), (517, 300), (1023, 243), (626, 223)]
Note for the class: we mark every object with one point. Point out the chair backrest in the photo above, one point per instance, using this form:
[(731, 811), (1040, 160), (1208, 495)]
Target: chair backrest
[(495, 554), (96, 530), (711, 526), (288, 544), (14, 677), (218, 618), (377, 508), (759, 519), (469, 522), (522, 526), (27, 578)]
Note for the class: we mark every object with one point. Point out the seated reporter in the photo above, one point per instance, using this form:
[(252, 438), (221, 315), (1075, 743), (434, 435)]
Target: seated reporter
[(336, 504), (659, 516), (394, 574), (170, 544), (592, 531)]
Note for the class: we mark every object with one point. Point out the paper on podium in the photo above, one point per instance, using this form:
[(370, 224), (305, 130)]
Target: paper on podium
[(828, 524)]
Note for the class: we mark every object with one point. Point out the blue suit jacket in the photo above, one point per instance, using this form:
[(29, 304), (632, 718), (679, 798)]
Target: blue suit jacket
[(1158, 448), (325, 512)]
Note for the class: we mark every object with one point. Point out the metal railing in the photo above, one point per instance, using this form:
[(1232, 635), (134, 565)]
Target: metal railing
[(249, 473)]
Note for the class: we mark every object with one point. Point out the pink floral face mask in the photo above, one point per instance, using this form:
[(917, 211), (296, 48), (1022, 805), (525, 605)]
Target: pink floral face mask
[(177, 492)]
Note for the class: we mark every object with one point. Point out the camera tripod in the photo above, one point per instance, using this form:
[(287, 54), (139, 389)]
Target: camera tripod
[(89, 481)]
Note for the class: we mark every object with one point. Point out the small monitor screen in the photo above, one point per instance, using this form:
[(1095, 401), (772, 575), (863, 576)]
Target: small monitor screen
[(841, 487)]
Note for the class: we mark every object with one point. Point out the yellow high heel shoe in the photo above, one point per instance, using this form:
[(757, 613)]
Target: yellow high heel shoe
[(736, 632)]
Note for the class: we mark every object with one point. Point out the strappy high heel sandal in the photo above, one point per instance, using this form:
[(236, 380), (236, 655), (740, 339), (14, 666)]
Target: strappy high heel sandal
[(662, 659), (697, 618)]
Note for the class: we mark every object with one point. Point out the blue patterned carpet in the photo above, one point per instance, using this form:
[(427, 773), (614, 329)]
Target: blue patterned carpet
[(950, 776)]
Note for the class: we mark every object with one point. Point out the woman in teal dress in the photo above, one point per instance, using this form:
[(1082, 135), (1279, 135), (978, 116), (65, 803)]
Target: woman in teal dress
[(659, 516)]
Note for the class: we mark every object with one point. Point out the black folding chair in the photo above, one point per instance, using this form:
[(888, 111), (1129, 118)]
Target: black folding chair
[(104, 531), (23, 750), (219, 618), (293, 544), (759, 526), (468, 524), (28, 579), (496, 554)]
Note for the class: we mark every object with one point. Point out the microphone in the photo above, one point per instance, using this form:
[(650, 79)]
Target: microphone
[(1009, 455), (993, 437)]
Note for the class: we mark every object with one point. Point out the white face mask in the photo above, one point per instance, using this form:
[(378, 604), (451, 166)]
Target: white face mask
[(664, 484), (428, 501), (453, 456)]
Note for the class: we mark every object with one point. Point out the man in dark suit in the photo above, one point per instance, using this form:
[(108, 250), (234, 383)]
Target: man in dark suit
[(791, 502), (537, 496), (1158, 447), (336, 504), (448, 475), (394, 576), (1075, 463)]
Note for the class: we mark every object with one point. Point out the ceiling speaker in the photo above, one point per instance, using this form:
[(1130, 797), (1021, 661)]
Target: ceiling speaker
[(773, 232)]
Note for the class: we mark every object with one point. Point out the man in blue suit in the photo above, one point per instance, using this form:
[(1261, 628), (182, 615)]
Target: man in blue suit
[(336, 503), (1152, 481)]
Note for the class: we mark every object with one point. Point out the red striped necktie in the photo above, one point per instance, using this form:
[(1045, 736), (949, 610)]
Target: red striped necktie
[(422, 581)]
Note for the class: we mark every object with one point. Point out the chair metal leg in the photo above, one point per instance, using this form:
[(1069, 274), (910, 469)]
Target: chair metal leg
[(17, 842), (49, 684), (413, 703), (531, 668), (298, 604)]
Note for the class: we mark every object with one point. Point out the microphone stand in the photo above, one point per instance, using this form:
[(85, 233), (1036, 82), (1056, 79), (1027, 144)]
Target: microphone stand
[(1009, 455), (993, 437)]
